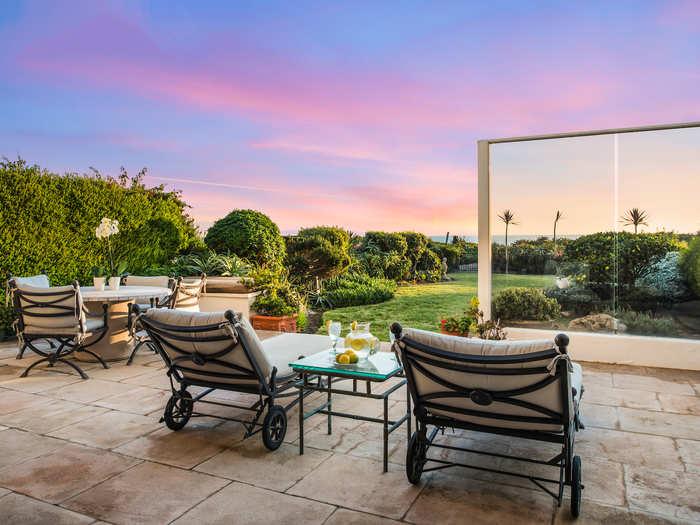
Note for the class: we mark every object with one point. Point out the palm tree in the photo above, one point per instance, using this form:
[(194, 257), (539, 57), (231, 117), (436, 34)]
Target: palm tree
[(557, 217), (635, 217), (508, 218)]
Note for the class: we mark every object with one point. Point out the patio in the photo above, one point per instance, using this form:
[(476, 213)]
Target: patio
[(75, 451)]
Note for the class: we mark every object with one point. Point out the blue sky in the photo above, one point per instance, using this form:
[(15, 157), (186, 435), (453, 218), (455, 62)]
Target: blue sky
[(361, 114)]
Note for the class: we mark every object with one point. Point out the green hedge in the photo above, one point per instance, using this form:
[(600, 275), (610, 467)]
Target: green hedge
[(48, 222), (356, 290), (518, 303), (635, 254), (690, 265)]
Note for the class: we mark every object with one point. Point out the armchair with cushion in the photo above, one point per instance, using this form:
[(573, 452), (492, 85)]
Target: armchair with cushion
[(523, 389), (221, 351), (161, 281), (40, 281), (56, 314)]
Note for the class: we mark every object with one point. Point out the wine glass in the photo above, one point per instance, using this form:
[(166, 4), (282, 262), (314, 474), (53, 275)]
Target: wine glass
[(334, 330)]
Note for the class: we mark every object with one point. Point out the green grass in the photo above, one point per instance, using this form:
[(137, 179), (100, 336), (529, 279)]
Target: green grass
[(423, 305)]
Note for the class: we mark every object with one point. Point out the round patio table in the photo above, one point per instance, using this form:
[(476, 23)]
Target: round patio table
[(115, 345)]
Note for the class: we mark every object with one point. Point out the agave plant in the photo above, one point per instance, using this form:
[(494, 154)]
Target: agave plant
[(211, 263)]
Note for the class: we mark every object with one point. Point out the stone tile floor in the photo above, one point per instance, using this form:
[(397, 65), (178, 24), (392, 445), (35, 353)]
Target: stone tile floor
[(75, 451)]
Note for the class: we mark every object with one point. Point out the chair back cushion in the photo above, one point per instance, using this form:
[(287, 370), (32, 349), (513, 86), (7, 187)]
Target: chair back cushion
[(38, 281), (44, 309), (445, 379), (215, 342), (162, 281), (187, 295)]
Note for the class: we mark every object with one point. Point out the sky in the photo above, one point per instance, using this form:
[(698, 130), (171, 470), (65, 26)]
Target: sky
[(358, 114)]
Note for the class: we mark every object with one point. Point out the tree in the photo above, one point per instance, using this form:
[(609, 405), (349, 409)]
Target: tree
[(508, 218), (557, 217), (318, 253), (635, 217)]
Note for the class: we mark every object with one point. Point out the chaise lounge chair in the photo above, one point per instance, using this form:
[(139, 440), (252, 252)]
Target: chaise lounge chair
[(523, 389), (221, 351)]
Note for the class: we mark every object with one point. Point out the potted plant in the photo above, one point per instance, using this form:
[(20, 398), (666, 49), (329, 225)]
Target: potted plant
[(472, 321), (99, 275), (114, 273), (277, 309)]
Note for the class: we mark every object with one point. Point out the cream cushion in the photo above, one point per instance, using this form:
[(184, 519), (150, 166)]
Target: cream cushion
[(64, 296), (286, 348), (188, 295), (37, 281), (548, 396), (91, 325), (236, 356), (161, 281)]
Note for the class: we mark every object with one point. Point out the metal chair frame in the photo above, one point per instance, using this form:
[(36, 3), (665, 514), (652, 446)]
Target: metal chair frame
[(67, 344), (180, 407), (414, 355)]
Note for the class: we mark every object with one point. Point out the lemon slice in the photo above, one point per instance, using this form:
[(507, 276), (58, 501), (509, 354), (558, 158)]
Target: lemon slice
[(343, 359), (353, 325), (328, 324), (357, 344)]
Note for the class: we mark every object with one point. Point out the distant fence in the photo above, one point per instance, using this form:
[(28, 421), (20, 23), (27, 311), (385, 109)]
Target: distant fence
[(473, 267)]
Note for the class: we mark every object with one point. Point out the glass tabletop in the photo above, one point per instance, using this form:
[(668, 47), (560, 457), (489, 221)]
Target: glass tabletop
[(381, 365)]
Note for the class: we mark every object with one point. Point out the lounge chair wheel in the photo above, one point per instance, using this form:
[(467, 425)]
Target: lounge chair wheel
[(274, 427), (576, 487), (415, 459), (178, 410)]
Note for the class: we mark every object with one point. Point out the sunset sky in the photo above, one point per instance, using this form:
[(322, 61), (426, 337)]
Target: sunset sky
[(362, 114)]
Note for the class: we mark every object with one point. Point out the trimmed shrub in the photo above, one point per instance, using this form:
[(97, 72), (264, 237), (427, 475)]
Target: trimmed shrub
[(636, 253), (357, 290), (417, 244), (429, 267), (318, 253), (517, 303), (576, 299), (376, 242), (48, 222), (250, 235), (690, 265), (665, 279)]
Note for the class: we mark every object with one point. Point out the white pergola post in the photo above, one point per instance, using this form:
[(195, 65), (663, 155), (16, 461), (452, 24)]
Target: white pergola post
[(484, 203)]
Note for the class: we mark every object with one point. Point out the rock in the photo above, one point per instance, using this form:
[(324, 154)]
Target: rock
[(597, 323)]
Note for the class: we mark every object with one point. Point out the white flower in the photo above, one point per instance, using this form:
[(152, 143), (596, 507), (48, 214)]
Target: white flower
[(106, 228)]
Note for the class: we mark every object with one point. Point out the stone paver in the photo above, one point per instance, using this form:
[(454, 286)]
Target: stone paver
[(76, 451), (147, 493), (250, 462), (17, 509), (359, 484), (108, 430), (64, 473), (245, 505)]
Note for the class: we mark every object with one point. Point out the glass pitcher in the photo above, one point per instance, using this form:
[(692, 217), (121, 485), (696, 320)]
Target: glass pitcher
[(361, 341)]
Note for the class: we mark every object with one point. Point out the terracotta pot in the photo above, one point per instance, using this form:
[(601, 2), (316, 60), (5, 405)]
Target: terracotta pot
[(453, 333), (287, 323), (99, 283)]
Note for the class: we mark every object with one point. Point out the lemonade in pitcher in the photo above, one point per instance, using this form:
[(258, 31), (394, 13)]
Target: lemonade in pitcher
[(361, 341)]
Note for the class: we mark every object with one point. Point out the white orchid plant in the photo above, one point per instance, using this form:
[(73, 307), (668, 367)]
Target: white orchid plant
[(105, 230)]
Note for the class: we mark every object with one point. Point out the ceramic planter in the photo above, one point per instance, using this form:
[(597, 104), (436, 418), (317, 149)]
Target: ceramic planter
[(453, 333), (114, 283), (286, 323), (98, 283)]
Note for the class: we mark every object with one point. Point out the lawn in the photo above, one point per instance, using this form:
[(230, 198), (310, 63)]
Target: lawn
[(423, 305)]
